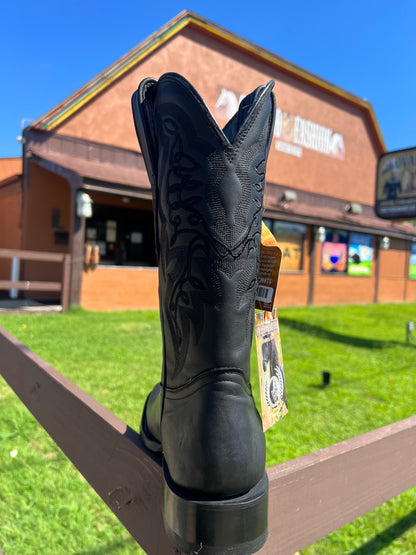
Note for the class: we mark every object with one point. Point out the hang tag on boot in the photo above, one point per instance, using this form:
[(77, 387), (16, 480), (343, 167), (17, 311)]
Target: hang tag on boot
[(268, 276), (270, 365)]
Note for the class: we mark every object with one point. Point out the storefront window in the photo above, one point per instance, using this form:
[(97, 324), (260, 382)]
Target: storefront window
[(125, 237), (290, 238), (346, 252), (334, 252), (343, 252), (412, 263), (360, 254)]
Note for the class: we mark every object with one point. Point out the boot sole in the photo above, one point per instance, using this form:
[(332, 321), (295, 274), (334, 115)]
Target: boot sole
[(236, 526)]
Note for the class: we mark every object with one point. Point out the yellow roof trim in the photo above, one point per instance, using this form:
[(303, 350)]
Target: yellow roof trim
[(82, 96), (276, 61), (79, 98), (105, 83)]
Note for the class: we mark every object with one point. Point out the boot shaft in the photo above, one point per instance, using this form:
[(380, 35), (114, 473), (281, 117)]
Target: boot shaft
[(208, 188)]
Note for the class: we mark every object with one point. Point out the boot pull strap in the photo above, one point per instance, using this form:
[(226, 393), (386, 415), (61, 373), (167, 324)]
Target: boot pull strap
[(143, 116), (250, 104)]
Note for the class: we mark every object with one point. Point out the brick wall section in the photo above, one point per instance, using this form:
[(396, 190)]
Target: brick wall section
[(411, 290), (393, 272), (120, 289), (292, 290), (343, 289), (126, 288), (334, 289)]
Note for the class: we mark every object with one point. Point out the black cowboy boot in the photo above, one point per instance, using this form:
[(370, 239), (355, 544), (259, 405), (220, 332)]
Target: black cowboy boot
[(208, 202)]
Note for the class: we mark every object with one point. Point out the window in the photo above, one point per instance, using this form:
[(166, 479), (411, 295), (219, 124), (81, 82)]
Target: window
[(412, 263), (346, 252), (290, 238), (334, 252), (360, 254), (124, 236)]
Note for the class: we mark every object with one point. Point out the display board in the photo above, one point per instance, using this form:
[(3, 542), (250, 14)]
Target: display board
[(396, 185)]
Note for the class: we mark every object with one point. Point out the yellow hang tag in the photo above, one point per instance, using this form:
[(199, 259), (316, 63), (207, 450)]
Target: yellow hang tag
[(268, 277), (270, 365)]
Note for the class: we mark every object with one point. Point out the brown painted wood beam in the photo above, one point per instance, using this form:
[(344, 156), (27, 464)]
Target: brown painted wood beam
[(320, 492), (309, 497), (108, 453), (29, 285), (32, 255)]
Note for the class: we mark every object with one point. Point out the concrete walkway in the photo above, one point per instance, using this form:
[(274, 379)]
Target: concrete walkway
[(24, 306)]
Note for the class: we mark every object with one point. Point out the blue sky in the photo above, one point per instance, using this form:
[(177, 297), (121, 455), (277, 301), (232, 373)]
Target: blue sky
[(51, 48)]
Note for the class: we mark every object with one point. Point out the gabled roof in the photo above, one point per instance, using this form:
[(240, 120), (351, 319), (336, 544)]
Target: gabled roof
[(51, 119)]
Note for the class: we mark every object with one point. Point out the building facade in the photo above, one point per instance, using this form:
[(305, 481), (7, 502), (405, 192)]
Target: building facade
[(320, 190)]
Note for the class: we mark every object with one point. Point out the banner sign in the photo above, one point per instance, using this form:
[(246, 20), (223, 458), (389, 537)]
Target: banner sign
[(360, 254), (334, 257), (396, 185), (292, 133)]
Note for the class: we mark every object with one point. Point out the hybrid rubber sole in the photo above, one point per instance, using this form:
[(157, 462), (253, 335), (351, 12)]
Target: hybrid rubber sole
[(236, 526)]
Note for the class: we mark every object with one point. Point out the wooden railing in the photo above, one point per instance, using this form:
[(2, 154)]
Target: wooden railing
[(30, 285), (309, 497)]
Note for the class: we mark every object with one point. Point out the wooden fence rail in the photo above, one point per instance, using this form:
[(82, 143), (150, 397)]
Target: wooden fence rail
[(29, 285), (309, 496)]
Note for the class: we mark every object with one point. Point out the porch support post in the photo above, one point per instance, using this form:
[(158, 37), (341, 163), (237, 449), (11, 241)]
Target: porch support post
[(76, 244), (312, 262), (377, 268)]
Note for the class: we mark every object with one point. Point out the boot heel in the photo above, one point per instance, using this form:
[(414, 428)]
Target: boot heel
[(236, 526)]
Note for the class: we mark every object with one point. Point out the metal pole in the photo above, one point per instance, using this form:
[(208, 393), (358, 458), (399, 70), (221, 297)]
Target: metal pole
[(13, 293)]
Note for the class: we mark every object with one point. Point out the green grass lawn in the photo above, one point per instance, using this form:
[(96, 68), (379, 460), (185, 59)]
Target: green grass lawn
[(46, 507)]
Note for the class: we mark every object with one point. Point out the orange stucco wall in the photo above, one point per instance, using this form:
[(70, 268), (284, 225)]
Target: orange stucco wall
[(211, 66), (10, 218), (120, 289), (10, 166), (46, 192)]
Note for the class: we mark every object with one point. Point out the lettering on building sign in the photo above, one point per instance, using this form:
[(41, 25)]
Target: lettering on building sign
[(292, 252), (292, 133)]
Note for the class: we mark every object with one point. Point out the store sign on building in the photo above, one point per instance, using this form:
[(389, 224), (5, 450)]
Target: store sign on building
[(396, 185), (292, 133)]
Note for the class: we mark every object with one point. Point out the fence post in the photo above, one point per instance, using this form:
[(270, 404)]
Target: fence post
[(66, 274)]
